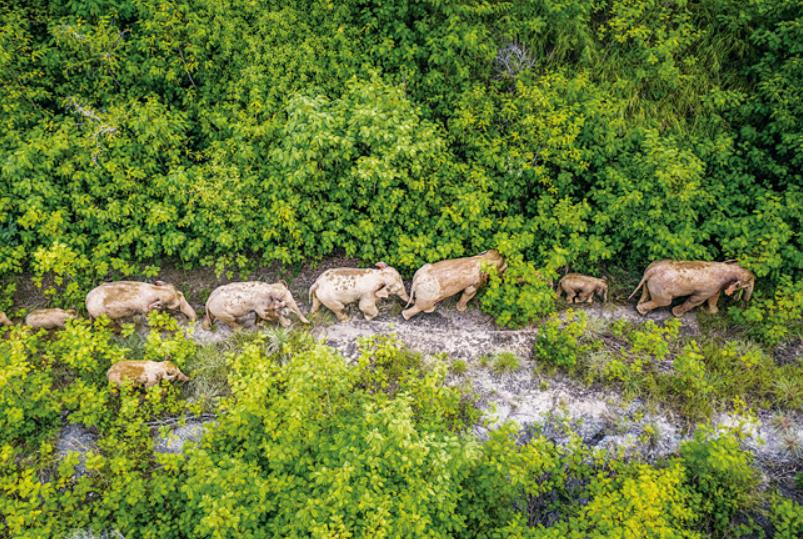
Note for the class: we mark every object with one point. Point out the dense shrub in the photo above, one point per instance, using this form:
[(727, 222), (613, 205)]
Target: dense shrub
[(304, 443), (583, 133)]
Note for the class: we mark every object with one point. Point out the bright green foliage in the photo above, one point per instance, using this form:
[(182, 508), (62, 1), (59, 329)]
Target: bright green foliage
[(656, 362), (306, 444), (787, 518), (643, 502), (723, 482), (773, 320), (558, 341), (579, 133), (506, 362)]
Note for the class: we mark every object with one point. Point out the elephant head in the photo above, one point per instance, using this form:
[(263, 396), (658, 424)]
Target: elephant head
[(392, 283), (602, 289), (171, 372), (171, 298), (745, 280)]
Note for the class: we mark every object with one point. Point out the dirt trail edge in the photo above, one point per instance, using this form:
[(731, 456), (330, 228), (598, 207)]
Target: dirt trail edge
[(551, 404)]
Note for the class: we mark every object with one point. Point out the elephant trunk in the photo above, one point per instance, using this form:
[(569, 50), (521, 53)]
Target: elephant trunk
[(187, 310), (748, 291), (293, 306)]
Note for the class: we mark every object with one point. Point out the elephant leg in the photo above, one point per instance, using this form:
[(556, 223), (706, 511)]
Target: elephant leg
[(645, 294), (654, 303), (689, 304), (338, 308), (229, 320), (411, 312), (418, 308), (468, 293), (590, 298), (284, 321), (368, 307), (712, 303), (316, 304)]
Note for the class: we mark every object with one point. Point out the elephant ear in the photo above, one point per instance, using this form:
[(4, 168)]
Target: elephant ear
[(731, 288), (381, 265), (382, 292)]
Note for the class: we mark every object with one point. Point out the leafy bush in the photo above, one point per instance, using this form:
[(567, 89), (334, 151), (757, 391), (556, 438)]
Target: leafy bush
[(140, 133), (558, 341), (722, 480)]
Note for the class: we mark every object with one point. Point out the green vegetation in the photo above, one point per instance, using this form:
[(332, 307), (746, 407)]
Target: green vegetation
[(305, 444), (505, 362), (583, 133), (595, 135), (696, 377)]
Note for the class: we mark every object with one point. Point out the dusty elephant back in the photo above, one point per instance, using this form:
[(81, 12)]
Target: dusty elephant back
[(348, 284), (49, 318), (236, 297), (116, 300)]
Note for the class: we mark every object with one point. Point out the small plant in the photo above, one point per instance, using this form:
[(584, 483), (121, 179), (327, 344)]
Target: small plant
[(505, 362), (458, 367), (558, 341)]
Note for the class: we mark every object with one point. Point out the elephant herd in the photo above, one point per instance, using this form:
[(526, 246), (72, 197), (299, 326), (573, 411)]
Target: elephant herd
[(232, 303)]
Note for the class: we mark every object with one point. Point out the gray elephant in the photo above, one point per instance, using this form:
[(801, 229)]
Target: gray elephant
[(122, 299), (666, 280), (337, 287), (433, 283), (232, 302), (4, 321), (581, 288)]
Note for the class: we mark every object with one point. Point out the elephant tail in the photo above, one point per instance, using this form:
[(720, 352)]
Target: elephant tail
[(207, 323), (313, 298), (643, 280), (312, 290), (412, 292)]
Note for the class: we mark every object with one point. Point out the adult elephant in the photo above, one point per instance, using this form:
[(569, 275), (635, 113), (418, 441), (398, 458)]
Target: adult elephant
[(666, 280), (121, 299)]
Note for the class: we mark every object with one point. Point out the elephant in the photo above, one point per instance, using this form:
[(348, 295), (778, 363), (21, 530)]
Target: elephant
[(4, 321), (433, 283), (581, 288), (144, 373), (121, 299), (49, 318), (232, 302), (665, 280), (337, 287)]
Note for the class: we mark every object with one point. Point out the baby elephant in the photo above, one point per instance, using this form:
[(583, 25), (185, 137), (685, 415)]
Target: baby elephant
[(4, 321), (128, 298), (49, 318), (433, 283), (232, 302), (338, 287), (144, 373), (666, 280), (581, 288)]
